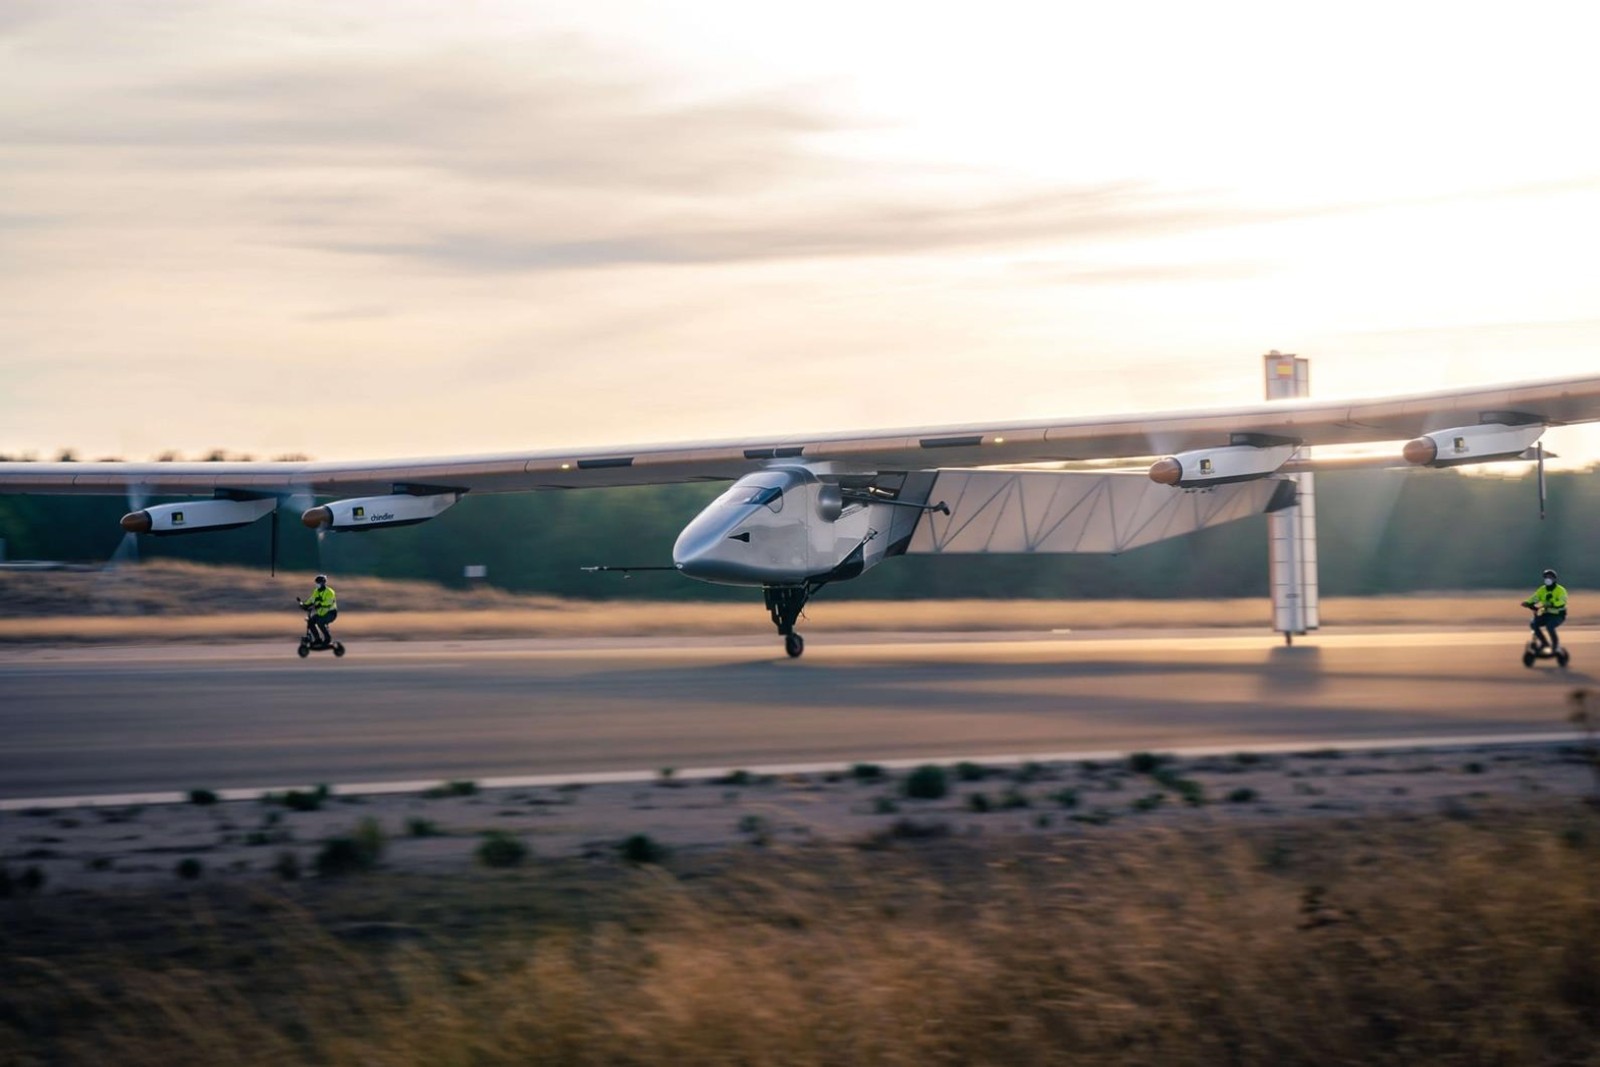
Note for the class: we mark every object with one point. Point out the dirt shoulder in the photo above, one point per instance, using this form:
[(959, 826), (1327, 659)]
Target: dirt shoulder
[(171, 601), (441, 830)]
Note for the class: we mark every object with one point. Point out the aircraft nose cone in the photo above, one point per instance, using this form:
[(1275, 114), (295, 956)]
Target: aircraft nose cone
[(136, 522)]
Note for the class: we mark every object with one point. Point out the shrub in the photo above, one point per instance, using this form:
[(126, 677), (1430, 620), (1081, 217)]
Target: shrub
[(1144, 762), (1031, 772), (642, 848), (455, 788), (735, 778), (1014, 799), (422, 827), (884, 806), (287, 866), (344, 855), (1243, 795), (967, 771), (668, 777), (202, 796), (189, 868), (297, 800), (927, 782), (1067, 798), (31, 880), (501, 849), (1191, 791), (371, 839), (979, 802), (752, 824), (1149, 802), (867, 772)]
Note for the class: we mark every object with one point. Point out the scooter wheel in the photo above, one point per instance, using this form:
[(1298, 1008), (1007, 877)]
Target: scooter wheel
[(304, 651), (1562, 657), (338, 649)]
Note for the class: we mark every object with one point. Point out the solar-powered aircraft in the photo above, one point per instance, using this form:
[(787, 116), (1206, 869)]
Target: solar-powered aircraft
[(807, 511)]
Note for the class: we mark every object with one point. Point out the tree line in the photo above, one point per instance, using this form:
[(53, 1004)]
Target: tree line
[(1379, 532)]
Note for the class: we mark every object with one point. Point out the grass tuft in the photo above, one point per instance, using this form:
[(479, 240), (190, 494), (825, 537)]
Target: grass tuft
[(203, 797)]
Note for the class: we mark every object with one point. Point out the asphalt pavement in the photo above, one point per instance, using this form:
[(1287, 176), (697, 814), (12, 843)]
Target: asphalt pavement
[(123, 719)]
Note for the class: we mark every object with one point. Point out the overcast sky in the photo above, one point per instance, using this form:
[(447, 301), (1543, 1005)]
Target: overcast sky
[(365, 229)]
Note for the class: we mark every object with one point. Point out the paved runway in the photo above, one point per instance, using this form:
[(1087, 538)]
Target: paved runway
[(117, 720)]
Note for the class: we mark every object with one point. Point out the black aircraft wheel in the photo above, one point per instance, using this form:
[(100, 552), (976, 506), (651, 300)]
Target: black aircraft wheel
[(338, 649), (304, 651), (794, 644)]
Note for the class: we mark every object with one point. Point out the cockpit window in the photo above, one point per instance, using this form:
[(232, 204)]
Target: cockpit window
[(770, 495)]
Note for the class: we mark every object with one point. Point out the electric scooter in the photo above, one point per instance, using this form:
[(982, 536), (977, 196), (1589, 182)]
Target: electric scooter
[(1538, 647), (312, 642)]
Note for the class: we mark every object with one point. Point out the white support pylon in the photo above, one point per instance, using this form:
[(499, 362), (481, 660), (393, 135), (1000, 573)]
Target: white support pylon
[(1292, 532)]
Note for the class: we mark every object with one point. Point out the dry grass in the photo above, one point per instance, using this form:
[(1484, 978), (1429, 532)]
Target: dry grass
[(1371, 943), (159, 601)]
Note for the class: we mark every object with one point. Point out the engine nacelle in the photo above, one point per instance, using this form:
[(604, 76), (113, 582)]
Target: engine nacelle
[(1472, 444), (378, 512), (1220, 466), (198, 516)]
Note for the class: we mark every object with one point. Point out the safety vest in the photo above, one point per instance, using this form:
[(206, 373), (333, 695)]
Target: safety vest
[(1553, 598), (323, 600)]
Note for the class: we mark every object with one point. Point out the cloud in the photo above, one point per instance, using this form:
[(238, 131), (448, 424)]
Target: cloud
[(539, 155), (838, 227)]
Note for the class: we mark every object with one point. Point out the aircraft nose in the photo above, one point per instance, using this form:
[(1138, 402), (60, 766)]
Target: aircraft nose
[(713, 549)]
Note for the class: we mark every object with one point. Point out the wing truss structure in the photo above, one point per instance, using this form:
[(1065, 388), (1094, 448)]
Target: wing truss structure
[(1071, 512)]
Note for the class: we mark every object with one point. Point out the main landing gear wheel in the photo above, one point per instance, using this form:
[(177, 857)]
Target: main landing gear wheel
[(785, 603)]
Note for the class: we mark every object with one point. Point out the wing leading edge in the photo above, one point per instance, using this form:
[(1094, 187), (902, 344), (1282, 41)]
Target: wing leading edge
[(1324, 422)]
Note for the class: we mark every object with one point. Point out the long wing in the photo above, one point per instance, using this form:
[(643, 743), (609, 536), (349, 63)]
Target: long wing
[(1325, 422)]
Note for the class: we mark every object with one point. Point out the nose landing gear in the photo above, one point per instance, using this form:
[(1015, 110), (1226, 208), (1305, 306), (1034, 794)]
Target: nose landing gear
[(784, 604)]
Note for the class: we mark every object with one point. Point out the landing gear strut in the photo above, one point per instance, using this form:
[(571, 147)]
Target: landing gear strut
[(784, 603)]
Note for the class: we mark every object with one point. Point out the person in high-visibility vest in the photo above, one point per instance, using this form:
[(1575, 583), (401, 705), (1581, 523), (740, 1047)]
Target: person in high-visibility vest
[(325, 607), (1551, 600)]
